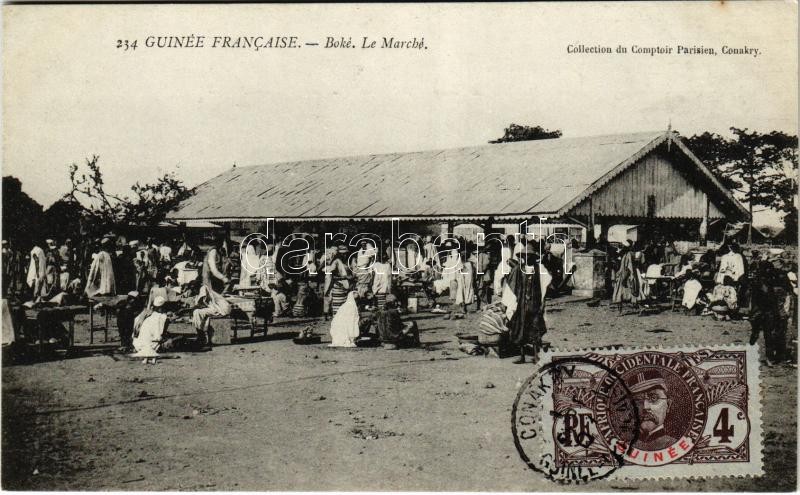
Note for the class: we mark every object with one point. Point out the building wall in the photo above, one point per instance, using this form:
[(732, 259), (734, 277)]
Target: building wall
[(627, 195)]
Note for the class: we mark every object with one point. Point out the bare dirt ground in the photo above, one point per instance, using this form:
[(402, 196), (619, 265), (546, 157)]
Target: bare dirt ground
[(272, 415)]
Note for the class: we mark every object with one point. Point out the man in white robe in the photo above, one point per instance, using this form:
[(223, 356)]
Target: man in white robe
[(730, 265), (149, 331), (37, 272), (100, 281)]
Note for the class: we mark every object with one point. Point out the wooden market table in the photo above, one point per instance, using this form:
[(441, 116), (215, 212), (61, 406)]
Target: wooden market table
[(107, 306), (61, 314)]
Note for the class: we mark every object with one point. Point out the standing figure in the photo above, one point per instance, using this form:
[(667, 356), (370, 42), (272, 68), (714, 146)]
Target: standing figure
[(769, 295), (503, 268), (52, 277), (628, 286), (339, 283), (363, 270), (210, 295), (327, 268), (250, 263), (66, 260), (483, 276), (10, 261), (185, 251), (524, 299), (451, 268), (155, 271), (144, 266), (37, 272), (124, 268), (429, 251), (382, 282), (165, 253), (100, 281), (465, 285), (731, 265), (271, 280)]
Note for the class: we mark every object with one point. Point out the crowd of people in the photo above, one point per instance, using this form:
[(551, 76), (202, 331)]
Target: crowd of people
[(142, 280), (366, 289), (130, 278), (723, 284)]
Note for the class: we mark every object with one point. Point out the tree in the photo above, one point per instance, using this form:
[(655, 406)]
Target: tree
[(516, 132), (22, 215), (762, 168), (63, 218), (103, 210), (155, 200), (714, 151), (151, 203)]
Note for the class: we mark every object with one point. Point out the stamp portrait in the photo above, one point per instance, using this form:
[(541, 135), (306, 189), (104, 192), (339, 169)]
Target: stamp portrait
[(642, 413)]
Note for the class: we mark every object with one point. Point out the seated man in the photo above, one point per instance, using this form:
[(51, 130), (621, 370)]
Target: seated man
[(723, 299), (493, 328), (685, 264), (279, 300), (393, 333), (149, 331), (692, 291), (127, 309)]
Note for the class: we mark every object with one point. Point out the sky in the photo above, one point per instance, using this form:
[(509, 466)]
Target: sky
[(70, 93)]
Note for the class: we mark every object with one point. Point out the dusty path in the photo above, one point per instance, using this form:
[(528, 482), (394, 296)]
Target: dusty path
[(271, 415)]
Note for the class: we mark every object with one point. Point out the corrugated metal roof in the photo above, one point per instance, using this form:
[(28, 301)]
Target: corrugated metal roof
[(510, 179)]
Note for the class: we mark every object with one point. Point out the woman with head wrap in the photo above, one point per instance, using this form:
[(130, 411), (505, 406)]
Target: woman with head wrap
[(340, 279), (363, 270), (382, 283)]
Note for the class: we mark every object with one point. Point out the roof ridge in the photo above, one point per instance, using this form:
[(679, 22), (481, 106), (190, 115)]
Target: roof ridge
[(517, 179), (641, 134)]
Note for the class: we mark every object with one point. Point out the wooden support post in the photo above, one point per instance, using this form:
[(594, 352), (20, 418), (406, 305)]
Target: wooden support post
[(394, 249), (590, 239), (704, 224), (524, 227), (487, 225)]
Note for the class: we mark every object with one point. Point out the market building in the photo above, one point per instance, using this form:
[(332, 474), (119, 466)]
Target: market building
[(651, 180)]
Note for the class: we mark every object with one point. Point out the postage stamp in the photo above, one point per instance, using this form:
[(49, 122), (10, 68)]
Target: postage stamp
[(641, 413)]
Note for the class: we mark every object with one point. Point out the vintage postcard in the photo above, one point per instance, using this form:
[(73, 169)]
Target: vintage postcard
[(503, 247)]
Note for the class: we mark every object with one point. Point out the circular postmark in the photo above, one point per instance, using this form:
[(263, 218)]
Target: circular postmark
[(556, 425)]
